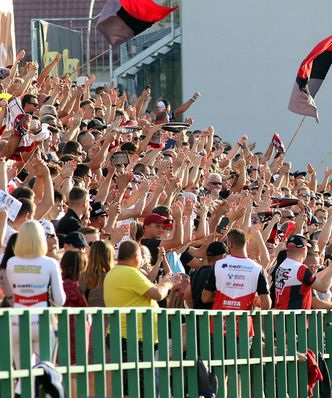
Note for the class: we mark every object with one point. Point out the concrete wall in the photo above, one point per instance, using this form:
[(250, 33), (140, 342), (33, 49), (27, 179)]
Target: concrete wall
[(243, 56)]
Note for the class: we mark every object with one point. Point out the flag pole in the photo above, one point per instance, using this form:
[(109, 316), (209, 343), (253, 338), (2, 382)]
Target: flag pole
[(324, 160), (90, 60), (295, 134)]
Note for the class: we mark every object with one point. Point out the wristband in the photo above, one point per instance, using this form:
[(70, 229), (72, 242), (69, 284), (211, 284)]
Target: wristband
[(254, 169), (240, 145), (113, 105)]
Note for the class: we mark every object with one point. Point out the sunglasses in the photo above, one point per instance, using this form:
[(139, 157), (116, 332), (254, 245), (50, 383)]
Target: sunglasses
[(33, 103), (305, 195), (50, 236), (215, 183)]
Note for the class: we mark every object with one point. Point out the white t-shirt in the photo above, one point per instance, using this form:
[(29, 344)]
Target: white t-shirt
[(30, 280)]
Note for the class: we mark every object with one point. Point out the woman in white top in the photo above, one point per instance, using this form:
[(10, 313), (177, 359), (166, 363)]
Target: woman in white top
[(32, 276)]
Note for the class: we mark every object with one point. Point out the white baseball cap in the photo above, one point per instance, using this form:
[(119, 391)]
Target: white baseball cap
[(81, 80), (48, 226), (161, 105)]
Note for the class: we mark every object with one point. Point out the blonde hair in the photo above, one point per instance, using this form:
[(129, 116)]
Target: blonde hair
[(31, 240), (101, 260)]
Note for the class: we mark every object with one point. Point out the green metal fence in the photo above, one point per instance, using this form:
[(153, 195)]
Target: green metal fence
[(269, 369)]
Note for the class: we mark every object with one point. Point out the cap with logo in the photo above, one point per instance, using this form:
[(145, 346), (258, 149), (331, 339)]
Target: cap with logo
[(97, 210), (297, 242)]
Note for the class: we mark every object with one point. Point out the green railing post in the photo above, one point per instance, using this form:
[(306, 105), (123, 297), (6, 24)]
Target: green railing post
[(313, 341), (302, 348), (191, 371), (26, 354), (231, 352), (45, 336), (163, 354), (6, 354), (116, 353), (64, 348), (219, 352), (149, 354), (270, 367), (244, 353), (81, 343), (177, 355), (257, 352), (98, 352), (292, 351), (132, 355), (281, 354), (328, 338)]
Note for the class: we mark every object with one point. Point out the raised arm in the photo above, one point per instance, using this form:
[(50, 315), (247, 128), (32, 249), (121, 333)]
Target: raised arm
[(177, 239), (47, 201), (182, 108), (48, 69)]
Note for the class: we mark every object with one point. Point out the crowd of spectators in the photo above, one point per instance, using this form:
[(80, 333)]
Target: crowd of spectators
[(122, 205)]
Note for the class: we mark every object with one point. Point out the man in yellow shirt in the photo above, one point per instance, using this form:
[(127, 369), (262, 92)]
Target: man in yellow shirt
[(126, 286)]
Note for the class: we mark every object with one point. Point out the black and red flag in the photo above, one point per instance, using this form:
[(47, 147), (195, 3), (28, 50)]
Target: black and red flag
[(310, 77), (121, 20)]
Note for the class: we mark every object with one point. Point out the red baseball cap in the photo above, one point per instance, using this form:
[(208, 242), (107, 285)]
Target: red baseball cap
[(154, 219)]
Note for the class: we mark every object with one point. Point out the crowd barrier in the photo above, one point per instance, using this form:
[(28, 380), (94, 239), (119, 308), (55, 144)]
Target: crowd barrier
[(270, 369)]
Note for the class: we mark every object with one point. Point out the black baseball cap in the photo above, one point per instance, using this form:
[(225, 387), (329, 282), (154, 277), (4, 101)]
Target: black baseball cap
[(97, 209), (300, 173), (96, 124), (297, 242), (216, 249), (77, 239)]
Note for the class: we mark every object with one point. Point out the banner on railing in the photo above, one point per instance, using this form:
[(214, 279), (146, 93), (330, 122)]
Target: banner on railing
[(56, 39)]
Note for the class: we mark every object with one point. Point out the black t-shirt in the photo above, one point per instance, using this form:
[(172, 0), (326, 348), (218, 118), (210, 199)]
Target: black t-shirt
[(185, 258), (70, 222), (152, 244), (198, 279)]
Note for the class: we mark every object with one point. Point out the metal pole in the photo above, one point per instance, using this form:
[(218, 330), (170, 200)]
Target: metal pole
[(111, 63), (92, 3)]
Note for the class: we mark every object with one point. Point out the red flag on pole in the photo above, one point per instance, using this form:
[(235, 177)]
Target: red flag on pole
[(310, 77), (121, 20)]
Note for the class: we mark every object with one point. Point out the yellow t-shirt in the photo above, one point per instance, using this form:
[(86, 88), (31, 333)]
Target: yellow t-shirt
[(125, 286)]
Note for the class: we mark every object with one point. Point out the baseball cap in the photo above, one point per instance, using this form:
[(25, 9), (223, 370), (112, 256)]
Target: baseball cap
[(154, 219), (216, 249), (297, 242), (4, 72), (81, 80), (97, 209), (96, 124), (300, 173), (77, 239), (48, 227), (161, 105)]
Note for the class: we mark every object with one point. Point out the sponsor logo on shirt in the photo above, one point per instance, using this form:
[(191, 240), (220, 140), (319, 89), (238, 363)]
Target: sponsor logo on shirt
[(28, 286), (27, 269), (240, 267), (232, 303), (27, 301), (236, 277), (235, 285)]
